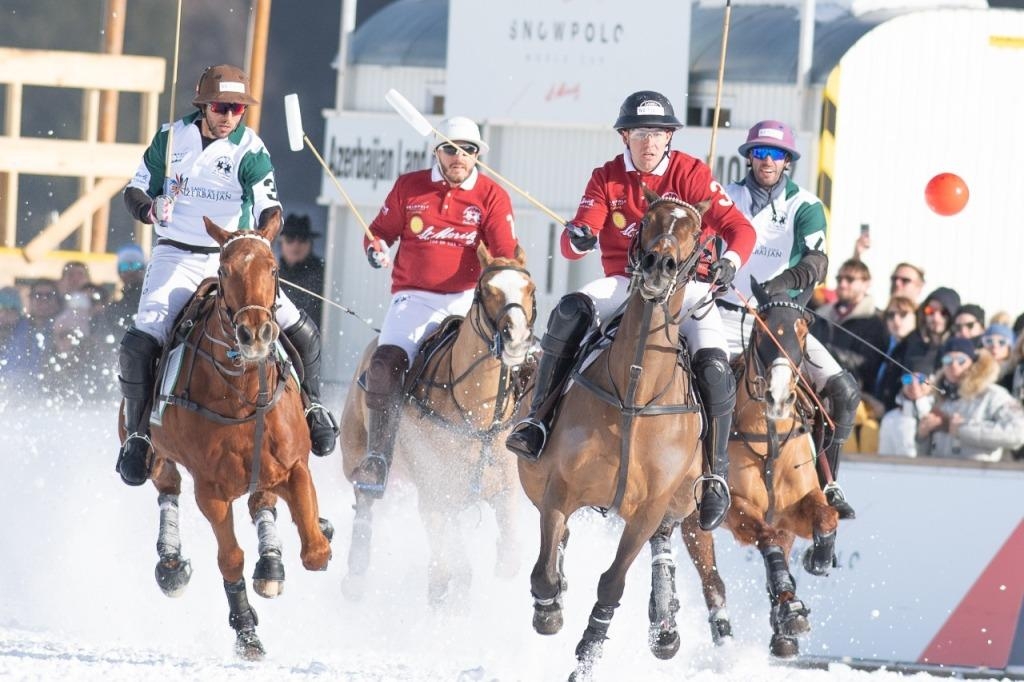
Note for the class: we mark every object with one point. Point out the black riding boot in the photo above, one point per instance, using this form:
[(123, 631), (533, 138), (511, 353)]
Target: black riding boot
[(843, 395), (384, 388), (717, 388), (567, 326), (139, 354), (323, 430)]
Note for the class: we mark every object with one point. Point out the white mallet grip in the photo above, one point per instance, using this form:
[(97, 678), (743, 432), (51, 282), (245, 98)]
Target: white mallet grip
[(294, 120), (407, 111)]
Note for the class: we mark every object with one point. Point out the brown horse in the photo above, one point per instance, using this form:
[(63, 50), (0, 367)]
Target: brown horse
[(231, 413), (627, 436), (462, 392), (772, 479)]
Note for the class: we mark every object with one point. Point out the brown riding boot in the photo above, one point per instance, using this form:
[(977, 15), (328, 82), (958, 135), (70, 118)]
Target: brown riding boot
[(384, 387)]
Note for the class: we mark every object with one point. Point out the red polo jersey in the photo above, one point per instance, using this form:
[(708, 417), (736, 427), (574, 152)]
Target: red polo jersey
[(438, 227), (613, 205)]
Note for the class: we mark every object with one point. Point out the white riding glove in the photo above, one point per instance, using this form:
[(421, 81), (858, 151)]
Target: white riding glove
[(161, 209)]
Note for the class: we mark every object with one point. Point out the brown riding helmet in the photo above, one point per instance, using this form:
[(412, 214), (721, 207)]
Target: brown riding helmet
[(223, 83)]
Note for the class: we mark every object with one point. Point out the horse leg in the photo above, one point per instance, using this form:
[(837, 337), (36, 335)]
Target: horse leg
[(701, 547), (231, 560), (300, 495), (172, 571), (353, 585), (788, 614), (438, 575), (639, 529), (547, 576), (663, 638), (506, 507), (268, 576), (821, 556)]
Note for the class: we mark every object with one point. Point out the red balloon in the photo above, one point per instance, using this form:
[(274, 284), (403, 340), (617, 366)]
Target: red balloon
[(946, 194)]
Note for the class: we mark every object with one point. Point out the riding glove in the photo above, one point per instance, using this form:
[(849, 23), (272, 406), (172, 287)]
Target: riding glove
[(161, 209), (377, 254), (722, 272), (581, 237)]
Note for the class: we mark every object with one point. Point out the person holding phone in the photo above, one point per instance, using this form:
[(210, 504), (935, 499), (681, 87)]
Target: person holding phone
[(789, 257)]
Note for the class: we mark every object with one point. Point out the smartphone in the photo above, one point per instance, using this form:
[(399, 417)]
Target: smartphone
[(865, 229)]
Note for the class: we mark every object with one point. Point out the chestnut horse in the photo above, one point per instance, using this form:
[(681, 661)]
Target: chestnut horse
[(627, 436), (772, 479), (462, 393), (231, 413)]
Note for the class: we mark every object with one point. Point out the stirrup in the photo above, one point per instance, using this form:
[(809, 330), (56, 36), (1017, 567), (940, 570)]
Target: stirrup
[(128, 479), (519, 429), (371, 489), (710, 480), (330, 423), (837, 500)]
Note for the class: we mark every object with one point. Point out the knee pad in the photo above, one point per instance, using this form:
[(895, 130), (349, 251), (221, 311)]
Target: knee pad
[(568, 324), (715, 381), (843, 393), (304, 334), (385, 372)]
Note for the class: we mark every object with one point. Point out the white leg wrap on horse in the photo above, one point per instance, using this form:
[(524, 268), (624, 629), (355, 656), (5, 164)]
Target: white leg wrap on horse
[(266, 530), (169, 541)]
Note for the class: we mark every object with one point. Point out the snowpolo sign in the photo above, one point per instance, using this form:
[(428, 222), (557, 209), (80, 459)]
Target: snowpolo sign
[(572, 61)]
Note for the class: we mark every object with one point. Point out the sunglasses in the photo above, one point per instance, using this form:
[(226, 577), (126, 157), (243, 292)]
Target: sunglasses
[(762, 153), (847, 278), (893, 314), (954, 359), (934, 310), (901, 280), (908, 379), (221, 108), (994, 342), (638, 134), (966, 325), (130, 267), (452, 150)]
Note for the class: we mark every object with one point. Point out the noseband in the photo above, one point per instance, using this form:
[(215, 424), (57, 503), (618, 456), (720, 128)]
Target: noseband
[(492, 334)]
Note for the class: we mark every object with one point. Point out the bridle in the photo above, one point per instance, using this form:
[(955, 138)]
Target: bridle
[(227, 317), (490, 329), (643, 257)]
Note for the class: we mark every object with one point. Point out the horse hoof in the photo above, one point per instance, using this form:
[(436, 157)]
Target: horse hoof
[(784, 647), (327, 528), (664, 645), (721, 630), (248, 646), (268, 576), (816, 565), (547, 620), (172, 575), (353, 586)]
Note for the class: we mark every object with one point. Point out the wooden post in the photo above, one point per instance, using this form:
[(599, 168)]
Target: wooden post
[(258, 61), (113, 43)]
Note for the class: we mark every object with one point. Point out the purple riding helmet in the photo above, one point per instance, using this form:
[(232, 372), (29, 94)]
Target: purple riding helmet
[(771, 134)]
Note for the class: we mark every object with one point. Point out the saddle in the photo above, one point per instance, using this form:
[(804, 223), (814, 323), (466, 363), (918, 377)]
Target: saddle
[(434, 343)]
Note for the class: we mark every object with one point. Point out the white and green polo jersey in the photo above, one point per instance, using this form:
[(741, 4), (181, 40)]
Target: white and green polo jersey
[(786, 229), (231, 181)]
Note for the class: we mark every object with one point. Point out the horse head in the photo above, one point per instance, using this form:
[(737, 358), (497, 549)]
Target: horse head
[(507, 298), (664, 250), (247, 286), (778, 347)]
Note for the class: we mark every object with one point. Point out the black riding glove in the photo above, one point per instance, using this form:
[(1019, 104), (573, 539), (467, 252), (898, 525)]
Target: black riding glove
[(581, 237), (377, 254), (722, 272)]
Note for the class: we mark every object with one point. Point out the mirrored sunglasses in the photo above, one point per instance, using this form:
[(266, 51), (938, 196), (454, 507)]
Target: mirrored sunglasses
[(762, 153), (130, 266), (934, 310), (452, 150), (638, 134), (221, 108), (954, 359), (908, 379)]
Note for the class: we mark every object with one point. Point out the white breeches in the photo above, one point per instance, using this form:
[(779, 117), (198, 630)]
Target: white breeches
[(413, 314)]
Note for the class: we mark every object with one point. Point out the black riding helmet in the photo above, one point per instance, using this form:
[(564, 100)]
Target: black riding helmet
[(647, 109)]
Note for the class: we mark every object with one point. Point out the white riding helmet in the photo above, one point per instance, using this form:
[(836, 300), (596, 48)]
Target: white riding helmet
[(460, 129)]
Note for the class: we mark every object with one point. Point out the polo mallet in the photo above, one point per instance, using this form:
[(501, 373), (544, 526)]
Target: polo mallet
[(721, 77), (296, 137), (170, 114), (422, 126)]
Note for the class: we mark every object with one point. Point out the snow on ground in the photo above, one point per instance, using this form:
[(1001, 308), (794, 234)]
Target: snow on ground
[(80, 601)]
